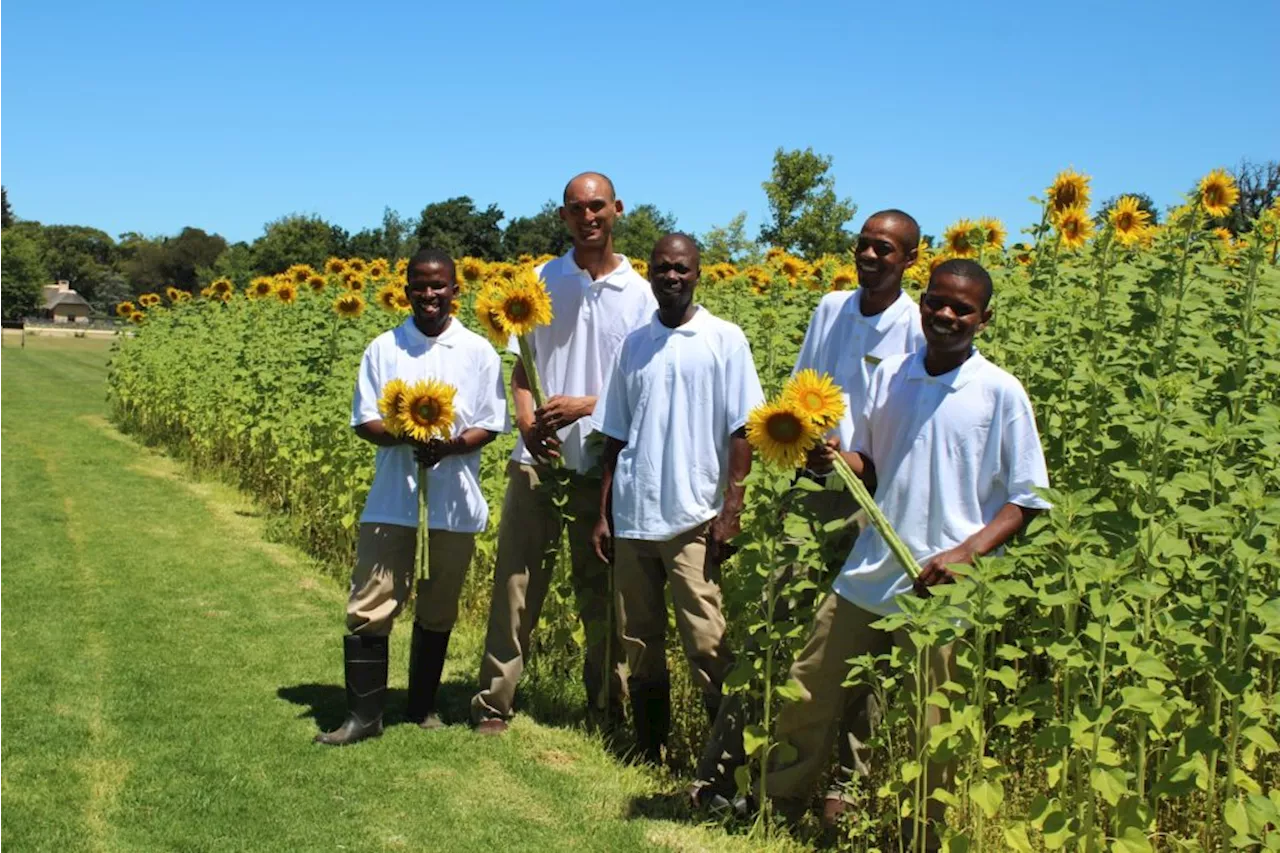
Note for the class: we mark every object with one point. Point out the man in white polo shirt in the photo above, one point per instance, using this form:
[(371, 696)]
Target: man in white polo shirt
[(428, 345), (596, 300), (948, 443), (675, 458)]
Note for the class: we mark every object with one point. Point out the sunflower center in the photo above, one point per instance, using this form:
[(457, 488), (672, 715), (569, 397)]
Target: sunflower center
[(428, 411), (518, 309), (812, 401), (784, 428)]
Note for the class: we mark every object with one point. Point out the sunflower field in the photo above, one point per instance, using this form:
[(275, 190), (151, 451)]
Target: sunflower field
[(1117, 668)]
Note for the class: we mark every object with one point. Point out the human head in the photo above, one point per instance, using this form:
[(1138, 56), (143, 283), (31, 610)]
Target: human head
[(674, 267), (956, 305), (430, 284), (590, 209), (886, 246)]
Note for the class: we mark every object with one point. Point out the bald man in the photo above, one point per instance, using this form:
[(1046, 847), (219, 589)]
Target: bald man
[(674, 418), (597, 299)]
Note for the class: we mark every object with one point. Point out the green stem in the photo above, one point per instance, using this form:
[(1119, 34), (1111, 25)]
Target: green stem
[(530, 369), (881, 524), (424, 534)]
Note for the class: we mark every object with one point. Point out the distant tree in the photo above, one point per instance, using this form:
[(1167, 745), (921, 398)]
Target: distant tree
[(1259, 185), (729, 243), (6, 212), (392, 240), (457, 227), (296, 239), (236, 263), (81, 256), (22, 272), (541, 234), (639, 228), (110, 292), (807, 217), (1144, 203), (189, 251)]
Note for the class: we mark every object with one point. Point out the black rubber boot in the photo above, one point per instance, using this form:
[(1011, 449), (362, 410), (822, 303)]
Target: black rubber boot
[(651, 710), (426, 665), (366, 670)]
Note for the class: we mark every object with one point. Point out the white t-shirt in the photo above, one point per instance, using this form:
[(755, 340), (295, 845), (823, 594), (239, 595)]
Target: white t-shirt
[(949, 452), (576, 352), (468, 362), (848, 346), (675, 398)]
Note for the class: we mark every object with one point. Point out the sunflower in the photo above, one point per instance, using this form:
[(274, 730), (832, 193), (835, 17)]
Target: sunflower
[(349, 305), (206, 293), (471, 270), (641, 267), (172, 293), (758, 276), (1218, 193), (488, 311), (792, 267), (525, 259), (816, 396), (389, 405), (359, 265), (182, 296), (402, 268), (959, 240), (317, 283), (386, 297), (353, 281), (149, 300), (1129, 221), (845, 277), (774, 253), (137, 317), (1021, 254), (781, 433), (335, 266), (299, 273), (287, 292), (221, 287), (402, 302), (379, 268), (1226, 242), (1075, 226), (721, 271), (260, 287), (993, 232), (1069, 189), (501, 269), (125, 309), (426, 410), (524, 304)]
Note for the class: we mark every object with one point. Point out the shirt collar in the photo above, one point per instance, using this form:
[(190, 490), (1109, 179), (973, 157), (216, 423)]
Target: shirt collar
[(696, 323), (953, 380), (885, 318), (447, 338), (616, 279)]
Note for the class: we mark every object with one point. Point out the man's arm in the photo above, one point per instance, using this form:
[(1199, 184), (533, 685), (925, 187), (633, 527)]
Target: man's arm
[(375, 432), (1008, 522), (543, 445), (601, 534), (727, 524), (469, 440)]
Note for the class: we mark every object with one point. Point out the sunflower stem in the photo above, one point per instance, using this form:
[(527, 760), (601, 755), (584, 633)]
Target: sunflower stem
[(421, 553), (881, 524), (530, 369)]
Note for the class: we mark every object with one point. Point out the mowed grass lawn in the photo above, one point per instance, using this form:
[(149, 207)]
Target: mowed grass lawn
[(164, 668)]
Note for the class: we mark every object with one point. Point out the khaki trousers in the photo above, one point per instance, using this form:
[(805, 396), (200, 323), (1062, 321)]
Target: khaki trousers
[(528, 541), (384, 570), (842, 631), (641, 570)]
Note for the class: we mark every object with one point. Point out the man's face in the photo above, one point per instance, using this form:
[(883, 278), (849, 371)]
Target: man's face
[(430, 288), (590, 211), (884, 251), (673, 273), (951, 313)]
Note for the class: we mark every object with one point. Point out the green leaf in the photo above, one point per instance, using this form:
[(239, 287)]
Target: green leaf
[(988, 795), (792, 691), (1110, 784), (753, 739), (1133, 840)]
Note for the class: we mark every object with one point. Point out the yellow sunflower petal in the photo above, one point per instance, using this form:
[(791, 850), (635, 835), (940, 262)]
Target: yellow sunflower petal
[(426, 410), (781, 434), (817, 397)]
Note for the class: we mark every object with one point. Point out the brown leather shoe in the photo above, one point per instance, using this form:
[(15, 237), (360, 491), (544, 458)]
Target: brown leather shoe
[(492, 727)]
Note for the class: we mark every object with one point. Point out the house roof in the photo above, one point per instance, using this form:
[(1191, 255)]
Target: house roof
[(65, 297)]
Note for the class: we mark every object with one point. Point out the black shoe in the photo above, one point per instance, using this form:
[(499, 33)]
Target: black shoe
[(366, 673), (426, 664), (651, 710)]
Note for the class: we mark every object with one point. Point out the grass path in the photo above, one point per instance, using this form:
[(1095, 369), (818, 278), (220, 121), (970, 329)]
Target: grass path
[(165, 667)]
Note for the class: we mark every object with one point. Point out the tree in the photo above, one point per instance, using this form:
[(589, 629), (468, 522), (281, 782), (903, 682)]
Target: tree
[(6, 212), (1144, 203), (729, 244), (22, 273), (236, 263), (637, 230), (457, 227), (540, 234), (807, 217), (83, 257), (1259, 185), (148, 264), (295, 239), (392, 240)]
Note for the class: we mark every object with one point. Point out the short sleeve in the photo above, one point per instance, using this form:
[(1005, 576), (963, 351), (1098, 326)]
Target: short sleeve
[(612, 415), (364, 405), (742, 387), (1022, 462), (491, 396), (863, 417)]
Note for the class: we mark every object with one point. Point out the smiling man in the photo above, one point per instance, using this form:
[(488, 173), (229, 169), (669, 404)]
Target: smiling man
[(430, 344), (947, 442), (596, 300), (676, 453)]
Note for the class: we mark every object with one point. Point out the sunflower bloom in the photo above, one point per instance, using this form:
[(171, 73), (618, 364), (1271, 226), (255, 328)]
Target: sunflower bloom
[(149, 300), (171, 293), (359, 265), (317, 283), (353, 281), (817, 397), (389, 405), (641, 267), (993, 232), (1226, 241), (471, 270), (349, 305), (137, 317), (524, 304), (1075, 226), (335, 266), (1128, 220), (426, 410), (1069, 189), (488, 309), (125, 309), (379, 268), (386, 297), (844, 278), (781, 434), (287, 292), (402, 268), (260, 287), (221, 287), (1218, 193), (402, 302), (792, 267), (774, 253), (958, 239), (299, 273)]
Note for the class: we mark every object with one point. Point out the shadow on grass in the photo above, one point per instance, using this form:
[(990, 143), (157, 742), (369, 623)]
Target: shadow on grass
[(327, 703)]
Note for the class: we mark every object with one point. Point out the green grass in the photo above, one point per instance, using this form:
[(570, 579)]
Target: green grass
[(165, 667)]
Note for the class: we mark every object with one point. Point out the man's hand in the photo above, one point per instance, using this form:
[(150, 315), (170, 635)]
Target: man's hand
[(935, 571), (542, 445), (430, 452), (602, 540), (561, 411), (821, 459), (723, 528)]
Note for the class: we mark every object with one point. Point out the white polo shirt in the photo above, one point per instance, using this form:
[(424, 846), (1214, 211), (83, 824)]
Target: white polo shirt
[(470, 364), (949, 452), (846, 345), (576, 352), (675, 398)]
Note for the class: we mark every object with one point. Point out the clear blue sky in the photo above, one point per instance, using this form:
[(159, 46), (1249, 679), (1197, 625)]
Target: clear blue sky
[(147, 117)]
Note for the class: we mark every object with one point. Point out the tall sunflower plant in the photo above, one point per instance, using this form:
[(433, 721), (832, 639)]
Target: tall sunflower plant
[(419, 411)]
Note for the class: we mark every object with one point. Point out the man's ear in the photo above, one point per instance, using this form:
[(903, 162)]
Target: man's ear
[(987, 315)]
